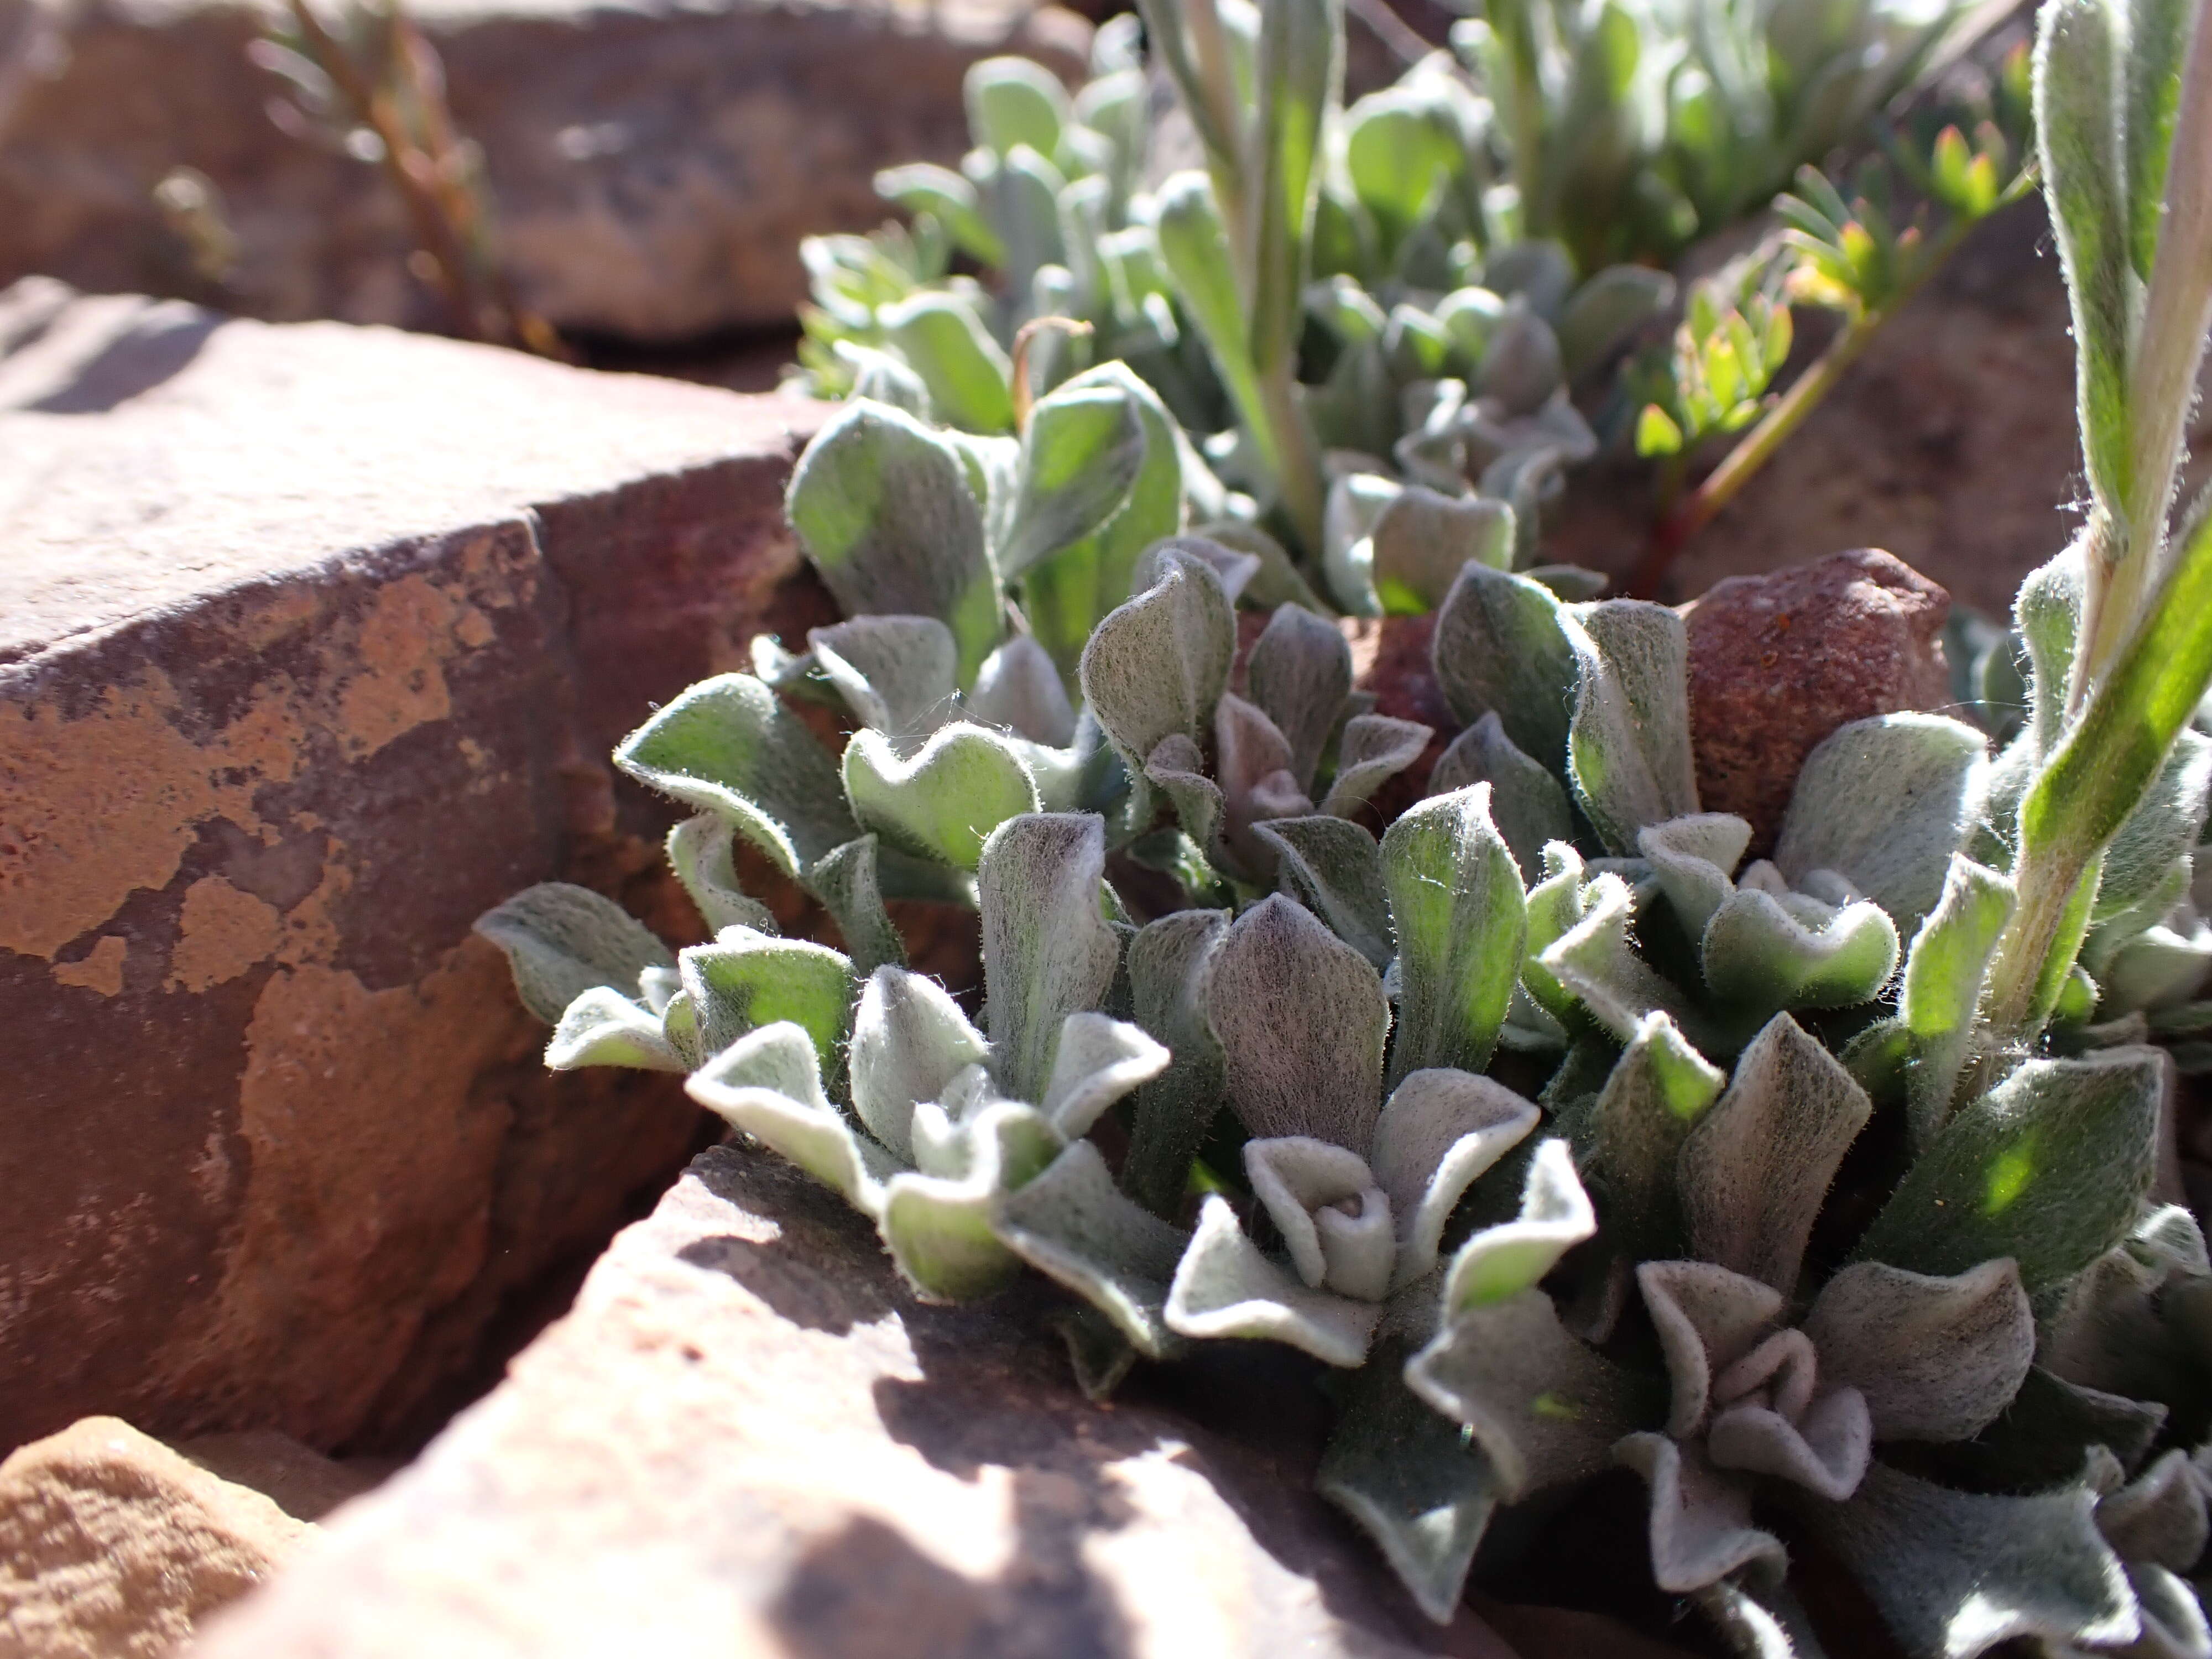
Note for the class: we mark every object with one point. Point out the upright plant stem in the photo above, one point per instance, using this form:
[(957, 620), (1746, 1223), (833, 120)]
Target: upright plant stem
[(1758, 446), (1753, 451), (1303, 492)]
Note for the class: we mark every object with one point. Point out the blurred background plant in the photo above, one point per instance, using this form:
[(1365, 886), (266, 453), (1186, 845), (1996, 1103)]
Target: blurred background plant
[(1862, 257), (1339, 303), (369, 84)]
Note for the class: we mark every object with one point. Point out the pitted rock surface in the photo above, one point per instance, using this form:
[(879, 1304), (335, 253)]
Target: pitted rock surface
[(1778, 662), (746, 1439), (654, 167), (114, 1546), (313, 643)]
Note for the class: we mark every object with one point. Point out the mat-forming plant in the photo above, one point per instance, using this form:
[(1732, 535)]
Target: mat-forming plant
[(1341, 304), (1817, 1182)]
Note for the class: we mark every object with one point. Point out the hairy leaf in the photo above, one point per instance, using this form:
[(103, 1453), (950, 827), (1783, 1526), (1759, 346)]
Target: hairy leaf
[(1072, 1225), (1334, 868), (1501, 647), (942, 803), (1629, 746), (1414, 1487), (1882, 802), (2047, 1168), (563, 941), (1526, 801), (886, 510), (1047, 952), (1301, 1019), (747, 980), (1756, 1168), (728, 746), (1461, 920)]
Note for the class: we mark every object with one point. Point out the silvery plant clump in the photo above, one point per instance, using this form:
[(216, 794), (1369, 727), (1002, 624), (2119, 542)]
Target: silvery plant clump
[(1341, 303), (1824, 1186), (1317, 293)]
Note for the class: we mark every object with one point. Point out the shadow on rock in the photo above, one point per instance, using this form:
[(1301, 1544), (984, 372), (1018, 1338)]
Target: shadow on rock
[(157, 350), (866, 1592)]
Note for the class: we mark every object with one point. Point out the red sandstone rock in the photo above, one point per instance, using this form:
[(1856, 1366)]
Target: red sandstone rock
[(113, 1547), (313, 643), (655, 167), (1778, 662), (748, 1440)]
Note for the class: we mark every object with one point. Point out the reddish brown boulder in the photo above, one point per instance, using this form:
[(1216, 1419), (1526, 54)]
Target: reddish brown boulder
[(1778, 662), (748, 1439), (654, 168), (113, 1547), (313, 643)]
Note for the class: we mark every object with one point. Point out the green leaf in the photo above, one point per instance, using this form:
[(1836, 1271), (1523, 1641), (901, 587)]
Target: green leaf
[(909, 1040), (1595, 961), (1606, 311), (728, 746), (1523, 366), (942, 802), (1544, 1406), (1657, 1091), (1950, 955), (880, 378), (1657, 435), (602, 1027), (1013, 100), (1300, 673), (1374, 748), (1223, 1287), (1081, 451), (1099, 1060), (1422, 539), (1019, 690), (896, 674), (1399, 156), (1944, 974), (745, 982), (1167, 960), (1194, 248), (2112, 756), (1301, 1019), (1527, 802), (925, 187), (1064, 596), (1047, 952), (2048, 1168), (561, 941), (1405, 1474), (845, 880), (2077, 128), (1156, 667), (970, 377), (1460, 918), (1501, 647), (1882, 802), (1763, 953), (940, 1229), (1955, 1573), (768, 1085), (2165, 827), (1757, 1166), (2158, 33), (1501, 1263), (1072, 1225), (701, 851), (886, 510), (1334, 868), (1300, 70), (1629, 744)]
